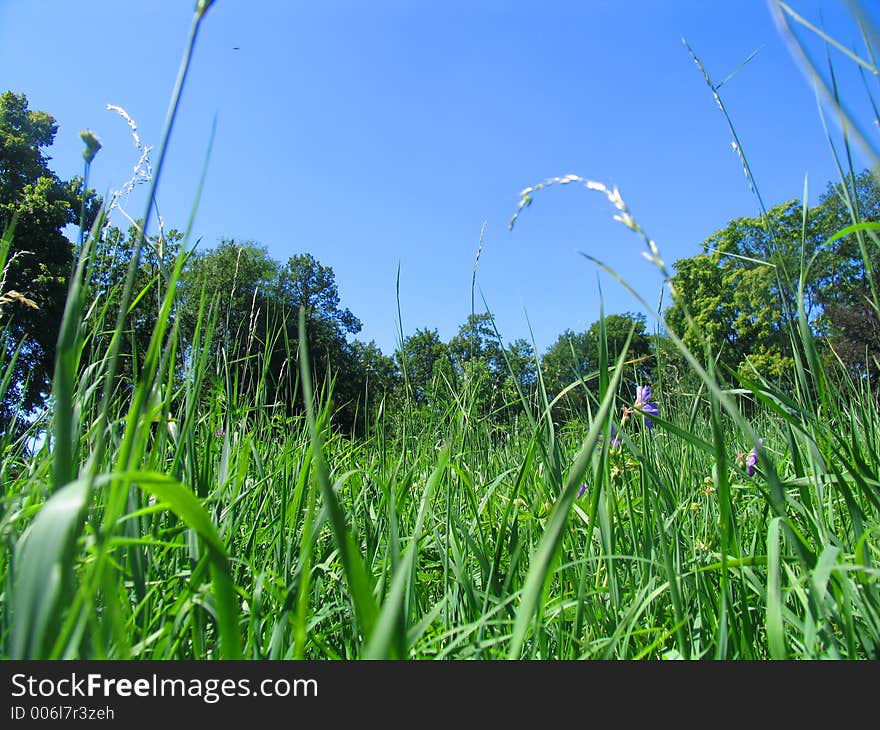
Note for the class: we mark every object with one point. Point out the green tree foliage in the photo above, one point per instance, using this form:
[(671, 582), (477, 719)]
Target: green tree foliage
[(377, 378), (574, 357), (849, 300), (476, 338), (856, 335), (233, 282), (305, 282), (845, 270), (736, 299), (565, 361), (112, 252), (419, 358), (473, 370), (34, 281), (477, 357), (522, 372), (639, 356), (732, 311), (257, 301)]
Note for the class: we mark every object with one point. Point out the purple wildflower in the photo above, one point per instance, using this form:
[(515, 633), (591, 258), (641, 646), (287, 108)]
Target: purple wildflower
[(752, 460), (219, 432), (643, 403), (582, 490), (615, 438)]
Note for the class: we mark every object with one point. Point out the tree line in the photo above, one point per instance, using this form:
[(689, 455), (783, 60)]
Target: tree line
[(733, 301)]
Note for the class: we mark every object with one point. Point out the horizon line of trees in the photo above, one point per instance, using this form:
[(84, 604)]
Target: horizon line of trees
[(734, 300)]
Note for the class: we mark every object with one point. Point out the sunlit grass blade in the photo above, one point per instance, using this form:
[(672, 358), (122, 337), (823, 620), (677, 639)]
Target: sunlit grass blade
[(183, 503), (355, 572), (781, 13), (389, 639), (68, 350), (545, 554), (773, 614), (42, 570)]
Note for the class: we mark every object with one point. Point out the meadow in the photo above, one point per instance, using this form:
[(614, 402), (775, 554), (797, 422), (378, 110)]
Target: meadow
[(182, 516)]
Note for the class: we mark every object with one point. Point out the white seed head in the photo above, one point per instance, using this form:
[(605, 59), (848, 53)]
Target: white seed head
[(627, 220), (614, 197)]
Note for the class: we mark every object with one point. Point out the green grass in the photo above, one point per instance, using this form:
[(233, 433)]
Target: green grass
[(181, 519), (283, 539)]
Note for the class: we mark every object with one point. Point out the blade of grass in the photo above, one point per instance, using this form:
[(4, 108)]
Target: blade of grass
[(544, 555), (355, 572)]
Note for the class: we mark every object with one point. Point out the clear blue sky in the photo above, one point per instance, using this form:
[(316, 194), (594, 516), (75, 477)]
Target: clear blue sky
[(382, 134)]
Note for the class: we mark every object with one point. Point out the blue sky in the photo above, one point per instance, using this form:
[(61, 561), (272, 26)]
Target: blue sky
[(378, 135)]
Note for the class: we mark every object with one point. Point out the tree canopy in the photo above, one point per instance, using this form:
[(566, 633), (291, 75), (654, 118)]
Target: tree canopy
[(256, 301), (733, 301), (736, 298), (575, 357), (36, 206)]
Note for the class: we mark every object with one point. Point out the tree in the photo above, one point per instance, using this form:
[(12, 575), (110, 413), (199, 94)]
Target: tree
[(741, 294), (236, 280), (34, 281), (844, 269), (376, 377), (567, 361), (522, 366), (477, 356), (575, 357), (849, 298), (476, 338), (111, 255), (258, 301), (733, 312), (639, 357), (417, 358), (856, 336), (304, 282)]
